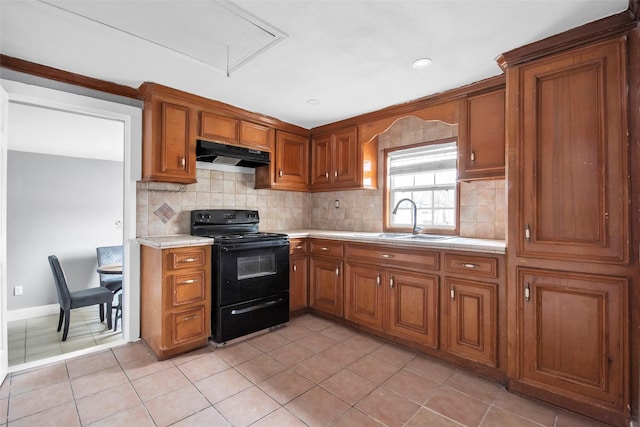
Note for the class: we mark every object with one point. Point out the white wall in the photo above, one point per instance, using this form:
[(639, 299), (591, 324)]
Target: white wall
[(64, 206)]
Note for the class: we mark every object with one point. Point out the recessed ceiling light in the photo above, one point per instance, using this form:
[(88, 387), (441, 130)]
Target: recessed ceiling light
[(421, 63), (313, 101)]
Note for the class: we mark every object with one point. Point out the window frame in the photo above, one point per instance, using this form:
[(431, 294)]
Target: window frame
[(387, 193)]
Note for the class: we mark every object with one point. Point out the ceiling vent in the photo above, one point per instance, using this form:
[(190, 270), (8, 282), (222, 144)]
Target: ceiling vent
[(214, 32)]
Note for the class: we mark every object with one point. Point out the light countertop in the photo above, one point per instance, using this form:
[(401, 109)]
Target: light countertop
[(174, 241), (453, 242)]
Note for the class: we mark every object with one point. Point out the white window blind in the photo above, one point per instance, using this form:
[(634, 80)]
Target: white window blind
[(427, 175)]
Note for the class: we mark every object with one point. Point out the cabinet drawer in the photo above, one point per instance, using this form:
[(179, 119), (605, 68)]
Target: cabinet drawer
[(394, 256), (187, 288), (186, 258), (471, 265), (297, 246), (188, 325), (326, 247)]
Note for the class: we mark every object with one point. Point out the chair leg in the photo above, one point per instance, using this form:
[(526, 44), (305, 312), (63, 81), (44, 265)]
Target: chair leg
[(61, 319), (118, 314), (109, 315), (67, 316), (101, 310)]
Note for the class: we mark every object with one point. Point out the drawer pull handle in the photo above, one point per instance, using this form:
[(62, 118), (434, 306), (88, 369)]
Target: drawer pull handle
[(256, 307), (324, 249), (391, 282), (469, 265), (183, 161), (186, 282), (189, 260), (527, 233), (280, 172), (337, 270), (386, 256), (189, 318), (527, 293), (378, 279), (295, 268), (453, 293), (326, 175), (299, 247)]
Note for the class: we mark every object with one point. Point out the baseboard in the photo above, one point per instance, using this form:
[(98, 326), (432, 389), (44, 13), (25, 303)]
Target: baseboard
[(31, 312)]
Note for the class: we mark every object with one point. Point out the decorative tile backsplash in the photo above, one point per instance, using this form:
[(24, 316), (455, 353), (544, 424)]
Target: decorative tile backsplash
[(165, 208)]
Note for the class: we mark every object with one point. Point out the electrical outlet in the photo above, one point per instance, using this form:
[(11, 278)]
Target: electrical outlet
[(17, 290)]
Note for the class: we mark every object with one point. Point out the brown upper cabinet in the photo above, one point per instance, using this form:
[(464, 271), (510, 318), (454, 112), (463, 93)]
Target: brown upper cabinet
[(169, 136), (573, 173), (289, 164), (339, 161), (481, 146), (214, 127)]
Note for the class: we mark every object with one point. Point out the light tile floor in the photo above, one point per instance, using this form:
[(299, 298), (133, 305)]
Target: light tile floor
[(311, 372), (37, 338)]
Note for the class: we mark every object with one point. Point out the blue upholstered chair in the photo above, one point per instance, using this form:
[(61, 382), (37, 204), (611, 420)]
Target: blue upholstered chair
[(83, 298), (113, 282)]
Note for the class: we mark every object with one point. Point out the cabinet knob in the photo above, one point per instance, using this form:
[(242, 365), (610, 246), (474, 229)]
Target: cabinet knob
[(183, 161), (295, 268), (326, 175), (473, 156), (335, 174), (453, 294), (337, 270), (280, 172), (391, 282), (527, 293), (378, 279)]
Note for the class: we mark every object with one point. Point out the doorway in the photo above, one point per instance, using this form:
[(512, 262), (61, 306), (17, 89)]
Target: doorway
[(74, 161)]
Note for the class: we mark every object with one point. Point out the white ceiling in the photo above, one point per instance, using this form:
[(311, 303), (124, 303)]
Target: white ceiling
[(353, 56)]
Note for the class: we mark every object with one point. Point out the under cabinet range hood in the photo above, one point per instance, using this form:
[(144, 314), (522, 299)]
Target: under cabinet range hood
[(214, 152)]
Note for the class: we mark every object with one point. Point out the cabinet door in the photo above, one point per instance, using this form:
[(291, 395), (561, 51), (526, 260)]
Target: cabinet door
[(345, 158), (364, 295), (174, 157), (298, 282), (321, 161), (573, 338), (413, 307), (325, 285), (482, 154), (292, 158), (471, 319), (253, 135), (219, 128), (574, 163)]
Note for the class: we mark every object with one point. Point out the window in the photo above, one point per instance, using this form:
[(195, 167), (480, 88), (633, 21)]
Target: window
[(427, 175)]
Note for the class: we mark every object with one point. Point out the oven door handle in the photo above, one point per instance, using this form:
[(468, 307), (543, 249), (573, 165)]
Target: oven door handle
[(255, 245), (255, 307)]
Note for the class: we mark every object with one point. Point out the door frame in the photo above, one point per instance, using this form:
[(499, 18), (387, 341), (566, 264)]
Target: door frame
[(131, 117)]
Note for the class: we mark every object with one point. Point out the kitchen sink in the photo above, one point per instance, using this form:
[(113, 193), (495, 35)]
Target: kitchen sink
[(430, 237), (426, 237)]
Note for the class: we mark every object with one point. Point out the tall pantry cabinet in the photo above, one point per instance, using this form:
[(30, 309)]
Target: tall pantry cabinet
[(569, 229)]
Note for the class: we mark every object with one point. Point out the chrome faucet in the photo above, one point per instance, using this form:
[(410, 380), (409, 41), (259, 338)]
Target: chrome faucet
[(415, 213)]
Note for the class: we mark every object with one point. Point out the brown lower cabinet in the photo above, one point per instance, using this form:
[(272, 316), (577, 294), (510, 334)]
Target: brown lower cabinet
[(298, 275), (326, 274), (573, 334), (176, 298), (404, 304)]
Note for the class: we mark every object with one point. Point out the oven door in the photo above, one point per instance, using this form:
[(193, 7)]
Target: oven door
[(249, 271)]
